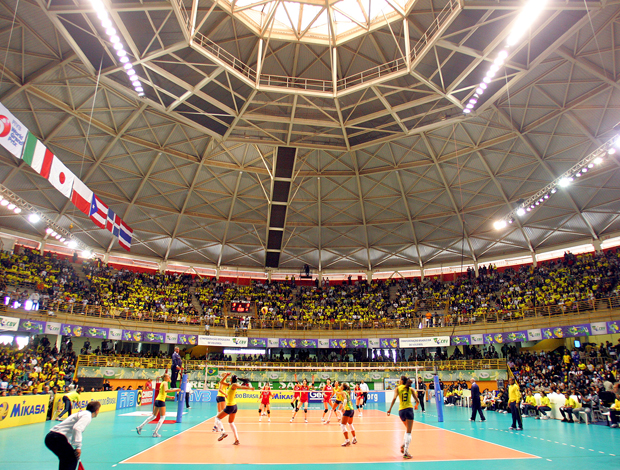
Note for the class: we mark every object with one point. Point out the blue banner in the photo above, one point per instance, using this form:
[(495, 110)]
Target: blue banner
[(128, 399)]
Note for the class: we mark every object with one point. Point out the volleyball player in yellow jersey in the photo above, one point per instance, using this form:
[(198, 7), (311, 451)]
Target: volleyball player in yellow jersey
[(221, 395), (347, 416), (404, 392), (160, 406), (230, 409), (337, 402)]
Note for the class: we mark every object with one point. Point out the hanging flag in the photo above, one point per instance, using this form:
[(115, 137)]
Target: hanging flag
[(98, 212), (12, 132), (81, 196), (125, 236), (113, 223), (37, 155), (61, 177)]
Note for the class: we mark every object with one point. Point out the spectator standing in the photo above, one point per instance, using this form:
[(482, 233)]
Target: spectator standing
[(177, 365), (476, 406)]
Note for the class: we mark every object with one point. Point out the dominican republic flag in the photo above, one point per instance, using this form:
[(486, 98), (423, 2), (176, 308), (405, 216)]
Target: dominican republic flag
[(125, 236), (113, 223), (81, 196), (98, 212), (61, 177), (37, 155)]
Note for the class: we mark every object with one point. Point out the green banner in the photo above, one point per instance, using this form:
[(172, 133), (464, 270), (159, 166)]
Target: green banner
[(286, 377)]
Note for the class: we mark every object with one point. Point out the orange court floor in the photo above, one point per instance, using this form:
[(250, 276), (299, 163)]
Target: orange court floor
[(282, 442)]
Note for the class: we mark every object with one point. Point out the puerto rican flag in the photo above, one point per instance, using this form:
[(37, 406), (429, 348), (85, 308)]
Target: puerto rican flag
[(98, 212), (125, 236), (113, 223)]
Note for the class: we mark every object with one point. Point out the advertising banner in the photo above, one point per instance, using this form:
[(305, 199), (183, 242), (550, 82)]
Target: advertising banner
[(374, 343), (108, 402), (424, 342), (152, 337), (191, 340), (515, 336), (357, 343), (460, 340), (9, 324), (132, 335), (28, 409), (172, 338), (115, 334), (477, 339), (32, 326), (389, 343), (128, 399), (491, 338), (273, 342), (323, 343), (534, 335), (298, 343), (87, 331), (52, 328), (146, 397), (337, 343), (12, 132), (598, 328), (258, 342), (223, 341), (613, 327), (566, 331)]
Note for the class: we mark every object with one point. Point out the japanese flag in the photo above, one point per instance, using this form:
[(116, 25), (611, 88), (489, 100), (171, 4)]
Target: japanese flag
[(61, 177)]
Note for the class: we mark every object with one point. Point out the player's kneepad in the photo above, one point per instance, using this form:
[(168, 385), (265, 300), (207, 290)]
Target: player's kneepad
[(343, 427), (296, 410)]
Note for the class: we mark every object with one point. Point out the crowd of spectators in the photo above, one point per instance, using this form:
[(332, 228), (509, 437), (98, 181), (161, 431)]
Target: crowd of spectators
[(573, 283)]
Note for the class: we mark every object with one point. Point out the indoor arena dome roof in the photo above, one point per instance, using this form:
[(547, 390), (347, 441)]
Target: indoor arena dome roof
[(406, 153)]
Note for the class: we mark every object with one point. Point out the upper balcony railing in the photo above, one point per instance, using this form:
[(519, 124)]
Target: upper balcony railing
[(344, 85)]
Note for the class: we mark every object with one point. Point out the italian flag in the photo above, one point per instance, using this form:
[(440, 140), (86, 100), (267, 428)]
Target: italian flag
[(37, 156)]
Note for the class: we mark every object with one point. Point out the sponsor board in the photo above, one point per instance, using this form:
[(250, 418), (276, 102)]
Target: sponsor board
[(128, 398), (534, 335), (224, 341), (424, 342), (323, 343), (273, 342), (147, 397), (388, 343), (477, 339), (32, 326), (461, 340), (108, 402), (373, 343), (599, 328), (17, 411), (12, 132), (515, 336), (252, 396), (172, 338), (9, 324), (115, 334), (52, 328)]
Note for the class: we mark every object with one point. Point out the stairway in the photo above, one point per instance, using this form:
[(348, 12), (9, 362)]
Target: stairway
[(393, 292)]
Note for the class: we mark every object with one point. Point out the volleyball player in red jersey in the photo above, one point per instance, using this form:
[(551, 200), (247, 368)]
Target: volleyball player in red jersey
[(304, 398), (296, 397), (265, 405), (359, 398), (328, 391)]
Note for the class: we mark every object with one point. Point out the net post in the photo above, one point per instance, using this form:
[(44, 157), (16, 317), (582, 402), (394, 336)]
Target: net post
[(181, 398)]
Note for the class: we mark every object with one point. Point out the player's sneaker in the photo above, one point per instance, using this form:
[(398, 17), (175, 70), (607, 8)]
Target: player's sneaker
[(139, 430), (361, 414), (269, 420), (156, 435), (407, 456), (402, 449), (259, 419), (346, 443), (291, 420), (354, 441), (236, 443), (305, 420), (326, 422), (222, 437)]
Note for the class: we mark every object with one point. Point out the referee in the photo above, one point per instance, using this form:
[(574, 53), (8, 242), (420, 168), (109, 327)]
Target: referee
[(364, 389), (65, 439), (177, 365)]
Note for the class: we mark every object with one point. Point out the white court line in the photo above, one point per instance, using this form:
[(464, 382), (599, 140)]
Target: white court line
[(471, 437), (161, 442), (339, 431), (169, 414)]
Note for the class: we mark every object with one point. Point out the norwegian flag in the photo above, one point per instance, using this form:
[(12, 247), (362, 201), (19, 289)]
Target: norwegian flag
[(113, 223), (98, 212)]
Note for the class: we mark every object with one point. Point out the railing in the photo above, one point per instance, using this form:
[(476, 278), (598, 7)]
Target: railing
[(439, 320), (317, 85), (192, 364)]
